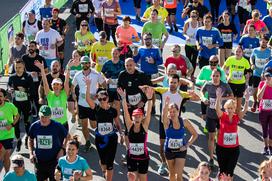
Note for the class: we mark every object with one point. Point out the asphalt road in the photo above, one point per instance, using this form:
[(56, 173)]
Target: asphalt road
[(250, 138)]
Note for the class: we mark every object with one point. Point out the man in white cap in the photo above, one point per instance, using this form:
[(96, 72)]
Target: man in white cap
[(19, 172)]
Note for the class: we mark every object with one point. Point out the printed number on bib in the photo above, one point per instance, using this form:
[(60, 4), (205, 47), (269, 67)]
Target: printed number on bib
[(207, 41), (105, 128), (109, 12), (170, 2), (57, 112), (3, 124), (227, 37), (230, 138), (102, 60), (134, 99), (212, 103), (267, 104), (175, 143), (237, 75), (260, 62), (248, 52), (20, 96), (45, 141), (68, 171), (136, 148), (113, 84), (156, 42), (83, 8)]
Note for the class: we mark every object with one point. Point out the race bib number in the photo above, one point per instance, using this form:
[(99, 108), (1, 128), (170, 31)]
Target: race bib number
[(267, 104), (237, 75), (109, 12), (113, 84), (248, 52), (230, 138), (20, 96), (68, 171), (102, 60), (227, 37), (156, 42), (3, 124), (212, 103), (154, 76), (260, 63), (175, 143), (105, 128), (170, 2), (136, 148), (45, 141), (83, 8), (207, 41), (134, 99), (57, 112)]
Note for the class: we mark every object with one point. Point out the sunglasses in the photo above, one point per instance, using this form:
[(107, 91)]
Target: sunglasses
[(85, 63), (102, 99), (147, 39), (19, 163), (84, 25), (193, 16), (213, 63)]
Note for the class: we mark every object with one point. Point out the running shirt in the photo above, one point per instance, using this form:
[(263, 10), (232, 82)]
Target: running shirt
[(58, 25), (237, 69), (191, 32), (206, 38), (157, 30), (228, 132), (260, 58), (180, 62), (105, 121), (174, 137), (268, 22), (137, 146), (266, 101), (30, 66), (95, 77), (227, 33), (7, 112), (82, 8), (50, 79), (170, 4), (74, 70), (210, 89), (48, 139), (201, 9), (58, 105), (108, 12), (205, 75), (163, 13), (27, 176), (101, 53), (31, 29), (142, 57), (67, 168), (125, 35), (248, 43), (97, 7), (259, 25), (81, 39), (46, 39), (111, 70)]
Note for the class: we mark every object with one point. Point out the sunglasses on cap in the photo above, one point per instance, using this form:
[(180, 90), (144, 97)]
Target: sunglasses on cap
[(102, 99), (213, 63), (18, 163)]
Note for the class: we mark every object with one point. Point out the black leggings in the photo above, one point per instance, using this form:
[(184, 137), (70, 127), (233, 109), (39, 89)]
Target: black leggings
[(110, 31), (24, 108), (191, 54), (243, 14), (106, 148), (227, 159), (99, 24), (214, 4)]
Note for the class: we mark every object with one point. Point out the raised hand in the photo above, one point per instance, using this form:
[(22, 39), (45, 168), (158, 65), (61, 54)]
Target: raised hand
[(87, 81), (149, 92), (121, 92), (167, 101), (219, 93), (39, 64)]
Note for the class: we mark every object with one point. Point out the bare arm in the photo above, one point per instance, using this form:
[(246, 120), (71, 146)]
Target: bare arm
[(88, 95), (244, 111), (218, 101), (128, 120), (66, 82), (44, 79), (149, 94), (165, 119), (192, 131), (260, 92)]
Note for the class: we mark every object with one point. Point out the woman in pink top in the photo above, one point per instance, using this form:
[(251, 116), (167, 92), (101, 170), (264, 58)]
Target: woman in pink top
[(260, 26), (264, 96)]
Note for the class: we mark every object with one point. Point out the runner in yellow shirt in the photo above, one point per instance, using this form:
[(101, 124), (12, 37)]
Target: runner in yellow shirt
[(163, 13)]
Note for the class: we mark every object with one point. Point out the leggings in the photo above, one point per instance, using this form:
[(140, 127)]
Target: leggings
[(227, 159), (191, 54), (215, 9), (24, 108), (265, 118), (99, 24), (243, 14), (110, 31)]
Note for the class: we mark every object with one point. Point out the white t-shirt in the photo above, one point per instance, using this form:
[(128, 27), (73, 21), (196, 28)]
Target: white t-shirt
[(95, 77), (46, 39), (174, 98)]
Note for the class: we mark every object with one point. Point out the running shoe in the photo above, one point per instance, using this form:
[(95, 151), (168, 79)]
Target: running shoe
[(87, 145), (171, 30), (205, 130), (175, 28), (138, 18), (19, 143), (253, 108), (162, 169), (265, 151), (26, 142)]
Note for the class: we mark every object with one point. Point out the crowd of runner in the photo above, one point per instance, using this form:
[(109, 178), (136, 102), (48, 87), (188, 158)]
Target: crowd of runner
[(111, 84)]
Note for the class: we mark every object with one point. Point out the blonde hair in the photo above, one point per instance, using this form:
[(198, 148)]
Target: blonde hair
[(230, 102), (196, 171), (262, 166)]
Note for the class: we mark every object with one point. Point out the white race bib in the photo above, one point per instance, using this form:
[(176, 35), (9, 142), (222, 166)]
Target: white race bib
[(68, 171), (136, 148), (109, 12), (57, 112), (227, 37), (206, 41), (20, 96), (170, 2), (267, 104), (134, 99), (248, 52), (175, 143), (230, 138), (104, 128), (212, 103), (113, 84), (102, 60), (260, 62), (237, 75), (83, 8), (45, 141), (156, 42), (3, 124)]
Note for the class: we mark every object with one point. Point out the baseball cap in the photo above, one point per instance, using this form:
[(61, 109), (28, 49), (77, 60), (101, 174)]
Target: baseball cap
[(45, 111), (32, 11), (55, 9), (268, 72), (85, 59), (137, 111), (17, 161), (57, 80)]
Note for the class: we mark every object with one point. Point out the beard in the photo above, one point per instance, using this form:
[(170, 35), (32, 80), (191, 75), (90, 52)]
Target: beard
[(55, 71), (31, 51)]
